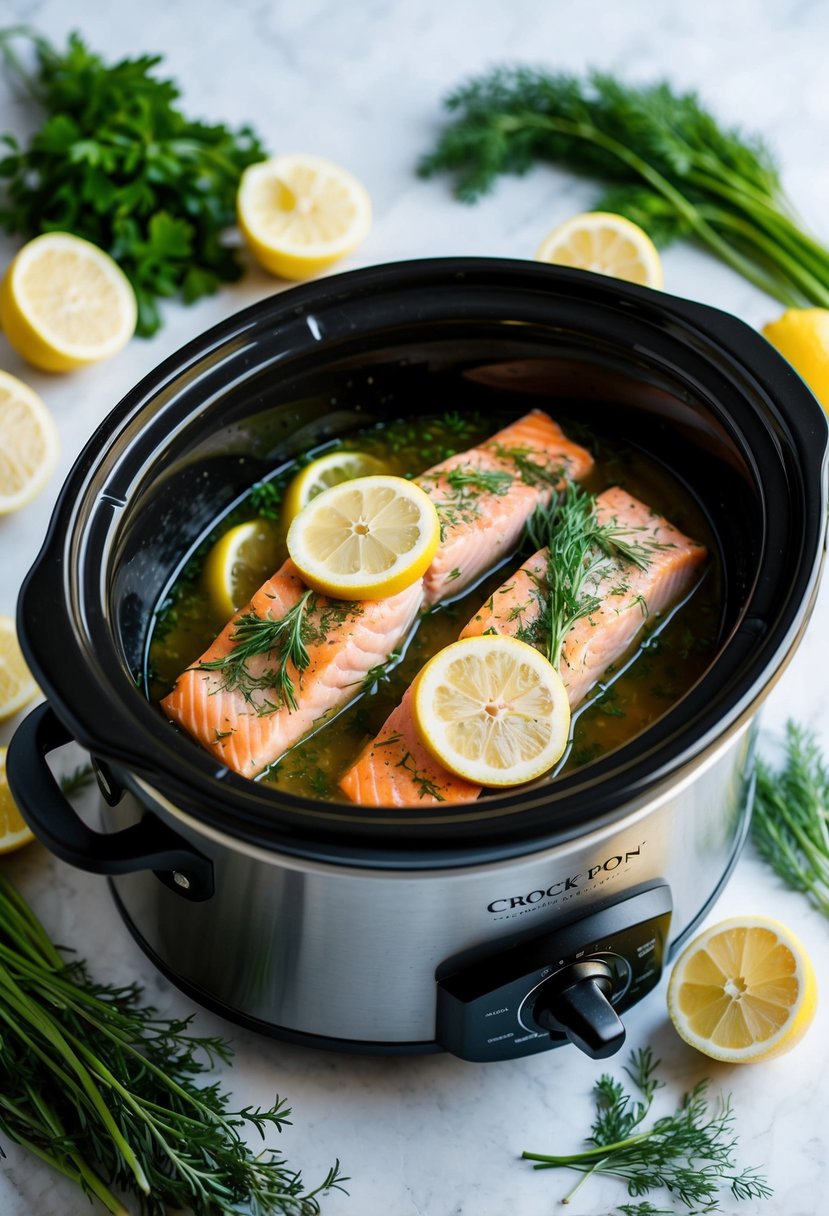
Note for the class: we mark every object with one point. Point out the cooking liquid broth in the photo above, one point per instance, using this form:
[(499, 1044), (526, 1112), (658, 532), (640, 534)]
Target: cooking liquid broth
[(671, 655)]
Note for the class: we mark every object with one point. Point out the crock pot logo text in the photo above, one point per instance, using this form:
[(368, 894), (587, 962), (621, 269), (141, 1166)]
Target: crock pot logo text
[(572, 884)]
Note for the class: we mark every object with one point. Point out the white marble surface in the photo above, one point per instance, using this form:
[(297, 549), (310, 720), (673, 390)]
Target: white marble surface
[(361, 83)]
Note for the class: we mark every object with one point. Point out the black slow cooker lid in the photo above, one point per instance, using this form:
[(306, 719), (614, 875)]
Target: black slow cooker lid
[(71, 630)]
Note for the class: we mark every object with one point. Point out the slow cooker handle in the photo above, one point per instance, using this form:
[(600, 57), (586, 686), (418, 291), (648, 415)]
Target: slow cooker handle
[(147, 845)]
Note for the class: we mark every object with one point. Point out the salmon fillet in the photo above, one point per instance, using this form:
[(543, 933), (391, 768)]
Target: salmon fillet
[(249, 732), (485, 496), (397, 770)]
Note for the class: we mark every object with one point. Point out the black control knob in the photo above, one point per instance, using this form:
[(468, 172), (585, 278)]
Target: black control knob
[(576, 1003)]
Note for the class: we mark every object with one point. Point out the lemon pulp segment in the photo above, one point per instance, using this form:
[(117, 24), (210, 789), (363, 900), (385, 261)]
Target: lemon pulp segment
[(606, 244), (300, 213), (365, 539), (743, 991), (65, 303), (17, 684), (14, 832), (492, 710), (28, 444), (327, 470)]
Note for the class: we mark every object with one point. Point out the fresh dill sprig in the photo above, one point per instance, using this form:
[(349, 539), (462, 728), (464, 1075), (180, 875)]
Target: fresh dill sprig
[(790, 821), (690, 1153), (266, 499), (670, 166), (487, 481), (532, 472), (284, 640), (78, 779), (581, 551), (106, 1091), (380, 673), (426, 788)]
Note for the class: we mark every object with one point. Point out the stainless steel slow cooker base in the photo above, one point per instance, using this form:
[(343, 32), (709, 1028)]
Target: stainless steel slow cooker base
[(343, 957)]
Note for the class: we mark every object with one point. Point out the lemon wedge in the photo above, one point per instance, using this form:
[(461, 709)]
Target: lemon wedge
[(607, 244), (328, 470), (238, 564), (65, 303), (17, 684), (802, 336), (743, 991), (365, 539), (14, 832), (299, 214), (492, 710), (28, 444)]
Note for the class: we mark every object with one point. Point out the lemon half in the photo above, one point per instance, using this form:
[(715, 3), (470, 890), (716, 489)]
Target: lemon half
[(492, 710), (606, 244), (328, 470), (17, 684), (802, 336), (65, 303), (28, 444), (300, 213), (743, 991), (365, 539), (14, 832)]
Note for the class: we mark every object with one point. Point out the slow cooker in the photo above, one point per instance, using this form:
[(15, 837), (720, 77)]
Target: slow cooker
[(492, 930)]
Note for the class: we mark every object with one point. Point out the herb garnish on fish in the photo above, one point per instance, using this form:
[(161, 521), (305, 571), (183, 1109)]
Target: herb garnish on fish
[(581, 551), (285, 640)]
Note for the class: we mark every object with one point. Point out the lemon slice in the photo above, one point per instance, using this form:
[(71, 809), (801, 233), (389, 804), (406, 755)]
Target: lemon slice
[(17, 684), (329, 470), (65, 303), (492, 710), (14, 833), (28, 444), (365, 539), (743, 991), (300, 213), (607, 244), (802, 336), (238, 564)]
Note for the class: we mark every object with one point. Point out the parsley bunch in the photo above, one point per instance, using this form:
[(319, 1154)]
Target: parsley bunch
[(115, 161)]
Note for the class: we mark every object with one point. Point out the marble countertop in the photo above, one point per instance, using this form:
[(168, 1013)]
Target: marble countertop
[(361, 84)]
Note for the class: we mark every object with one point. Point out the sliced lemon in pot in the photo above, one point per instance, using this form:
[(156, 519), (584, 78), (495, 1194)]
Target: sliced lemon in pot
[(492, 710), (239, 563), (365, 539), (327, 470)]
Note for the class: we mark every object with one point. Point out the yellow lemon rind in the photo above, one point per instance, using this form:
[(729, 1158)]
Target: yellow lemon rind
[(801, 1013), (647, 253), (297, 494), (358, 586), (11, 841), (424, 718), (301, 261), (46, 424), (48, 351)]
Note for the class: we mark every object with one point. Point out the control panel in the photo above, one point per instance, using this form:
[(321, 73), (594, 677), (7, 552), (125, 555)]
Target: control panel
[(568, 985)]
